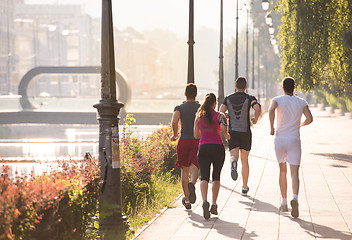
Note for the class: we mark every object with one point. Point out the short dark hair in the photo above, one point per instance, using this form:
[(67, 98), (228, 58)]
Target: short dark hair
[(288, 83), (241, 83), (191, 91)]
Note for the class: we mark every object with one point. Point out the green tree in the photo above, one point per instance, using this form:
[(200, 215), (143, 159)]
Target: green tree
[(314, 44)]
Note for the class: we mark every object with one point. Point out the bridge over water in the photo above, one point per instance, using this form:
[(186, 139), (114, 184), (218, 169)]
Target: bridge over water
[(24, 108), (56, 110), (77, 110)]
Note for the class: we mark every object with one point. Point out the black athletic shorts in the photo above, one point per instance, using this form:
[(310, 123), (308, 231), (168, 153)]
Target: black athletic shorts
[(243, 140)]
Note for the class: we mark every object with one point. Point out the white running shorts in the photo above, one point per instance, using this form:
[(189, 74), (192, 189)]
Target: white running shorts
[(288, 149)]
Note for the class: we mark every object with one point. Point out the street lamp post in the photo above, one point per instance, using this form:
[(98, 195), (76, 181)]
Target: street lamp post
[(271, 30), (268, 19), (110, 204), (265, 5), (221, 60), (253, 39), (236, 57), (247, 47), (190, 76)]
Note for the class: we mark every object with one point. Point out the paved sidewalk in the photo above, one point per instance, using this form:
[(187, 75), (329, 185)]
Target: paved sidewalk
[(325, 192)]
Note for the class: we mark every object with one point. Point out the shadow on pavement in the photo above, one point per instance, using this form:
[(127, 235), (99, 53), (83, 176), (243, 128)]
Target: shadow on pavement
[(228, 229), (321, 230), (337, 156), (259, 206)]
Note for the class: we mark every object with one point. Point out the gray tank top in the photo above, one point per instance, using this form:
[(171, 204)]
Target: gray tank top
[(188, 112)]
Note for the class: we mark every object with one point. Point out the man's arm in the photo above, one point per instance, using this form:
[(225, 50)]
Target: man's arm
[(196, 131), (308, 115), (176, 116), (272, 109), (223, 108), (257, 111)]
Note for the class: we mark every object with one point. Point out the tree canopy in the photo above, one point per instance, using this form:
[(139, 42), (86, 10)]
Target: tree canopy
[(315, 41)]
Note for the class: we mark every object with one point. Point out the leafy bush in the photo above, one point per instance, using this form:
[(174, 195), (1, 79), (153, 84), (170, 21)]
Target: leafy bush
[(60, 205), (329, 98), (55, 206), (141, 159)]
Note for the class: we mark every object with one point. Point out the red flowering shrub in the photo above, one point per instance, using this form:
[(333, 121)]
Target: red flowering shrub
[(162, 151), (141, 158), (58, 205)]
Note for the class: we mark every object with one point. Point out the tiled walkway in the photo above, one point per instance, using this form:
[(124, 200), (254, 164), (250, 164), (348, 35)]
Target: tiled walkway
[(325, 195)]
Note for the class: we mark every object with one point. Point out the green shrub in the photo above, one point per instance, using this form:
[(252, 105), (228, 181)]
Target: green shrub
[(141, 160)]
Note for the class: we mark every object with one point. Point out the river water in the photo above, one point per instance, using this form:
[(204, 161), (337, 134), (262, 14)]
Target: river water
[(33, 148), (30, 148)]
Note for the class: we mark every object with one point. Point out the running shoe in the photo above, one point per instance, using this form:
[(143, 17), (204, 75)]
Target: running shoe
[(214, 209), (245, 191), (294, 211), (192, 192), (206, 213), (187, 205), (283, 208), (234, 173)]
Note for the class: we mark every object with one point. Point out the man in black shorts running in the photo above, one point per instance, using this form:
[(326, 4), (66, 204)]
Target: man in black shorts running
[(238, 105)]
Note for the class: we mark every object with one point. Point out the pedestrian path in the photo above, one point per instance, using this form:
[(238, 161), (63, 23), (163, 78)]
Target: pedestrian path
[(325, 192)]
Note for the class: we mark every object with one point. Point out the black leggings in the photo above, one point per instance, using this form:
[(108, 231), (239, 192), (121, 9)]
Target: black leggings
[(211, 154)]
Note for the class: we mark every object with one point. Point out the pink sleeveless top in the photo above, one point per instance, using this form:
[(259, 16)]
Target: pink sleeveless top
[(210, 133)]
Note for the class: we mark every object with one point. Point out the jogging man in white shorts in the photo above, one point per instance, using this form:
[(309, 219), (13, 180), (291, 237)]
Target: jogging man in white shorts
[(287, 138)]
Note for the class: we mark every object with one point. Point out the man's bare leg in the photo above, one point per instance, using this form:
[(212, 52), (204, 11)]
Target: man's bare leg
[(283, 180), (191, 189), (194, 173), (283, 186), (295, 188), (234, 154), (295, 179), (245, 167), (185, 180)]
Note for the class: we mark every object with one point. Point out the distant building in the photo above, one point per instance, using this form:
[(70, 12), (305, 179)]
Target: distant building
[(6, 43), (52, 35), (63, 35)]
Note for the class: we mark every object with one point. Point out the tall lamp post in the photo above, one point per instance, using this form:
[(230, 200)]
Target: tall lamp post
[(265, 5), (108, 109), (236, 57), (268, 19), (221, 60), (190, 75), (253, 41), (247, 44)]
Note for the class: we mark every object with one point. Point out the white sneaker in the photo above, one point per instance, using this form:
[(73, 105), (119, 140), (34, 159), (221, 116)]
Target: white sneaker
[(283, 208)]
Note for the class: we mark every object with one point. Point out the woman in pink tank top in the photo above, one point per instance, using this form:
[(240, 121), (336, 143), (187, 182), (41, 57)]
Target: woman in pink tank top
[(207, 126)]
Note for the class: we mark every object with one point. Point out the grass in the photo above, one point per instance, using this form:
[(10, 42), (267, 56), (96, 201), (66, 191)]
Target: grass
[(166, 187)]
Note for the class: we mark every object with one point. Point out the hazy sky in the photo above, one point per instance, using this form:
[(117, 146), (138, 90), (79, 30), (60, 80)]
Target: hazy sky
[(165, 14)]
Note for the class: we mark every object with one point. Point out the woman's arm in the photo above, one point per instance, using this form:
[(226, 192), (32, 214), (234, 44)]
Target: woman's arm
[(196, 131), (224, 125)]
